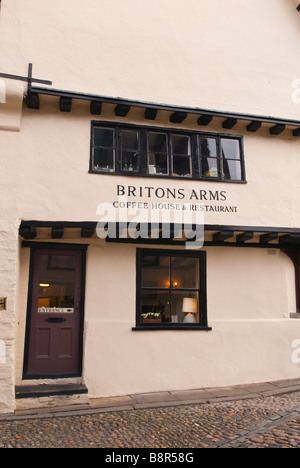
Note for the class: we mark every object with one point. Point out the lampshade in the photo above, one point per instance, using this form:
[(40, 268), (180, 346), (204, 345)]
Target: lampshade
[(189, 305)]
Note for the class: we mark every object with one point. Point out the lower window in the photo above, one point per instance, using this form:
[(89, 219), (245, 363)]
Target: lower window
[(171, 289)]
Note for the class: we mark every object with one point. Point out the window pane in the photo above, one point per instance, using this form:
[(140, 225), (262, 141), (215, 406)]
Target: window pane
[(208, 147), (130, 160), (230, 148), (155, 307), (232, 170), (130, 150), (103, 137), (56, 284), (209, 167), (104, 159), (155, 272), (157, 153), (157, 163), (130, 139), (157, 142), (181, 145), (182, 166), (184, 307), (185, 272)]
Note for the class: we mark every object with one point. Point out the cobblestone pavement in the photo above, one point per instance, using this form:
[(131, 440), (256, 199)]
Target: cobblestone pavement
[(255, 423)]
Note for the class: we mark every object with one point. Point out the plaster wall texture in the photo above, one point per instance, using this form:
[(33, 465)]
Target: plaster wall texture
[(235, 56), (231, 55)]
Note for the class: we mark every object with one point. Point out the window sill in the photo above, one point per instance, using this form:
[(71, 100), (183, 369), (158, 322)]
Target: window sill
[(165, 176), (171, 327)]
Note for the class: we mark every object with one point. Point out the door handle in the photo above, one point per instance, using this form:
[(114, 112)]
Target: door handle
[(55, 320)]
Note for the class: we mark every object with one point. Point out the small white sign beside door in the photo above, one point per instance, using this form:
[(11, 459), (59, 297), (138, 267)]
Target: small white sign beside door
[(55, 310)]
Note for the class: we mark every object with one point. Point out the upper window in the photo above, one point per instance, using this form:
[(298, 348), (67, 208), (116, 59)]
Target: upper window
[(171, 289), (153, 152)]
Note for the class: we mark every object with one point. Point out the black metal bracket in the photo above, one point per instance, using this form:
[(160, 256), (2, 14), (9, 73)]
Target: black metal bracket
[(29, 79), (32, 99)]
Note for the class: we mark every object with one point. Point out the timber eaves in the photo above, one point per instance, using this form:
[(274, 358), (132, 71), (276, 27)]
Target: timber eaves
[(178, 113)]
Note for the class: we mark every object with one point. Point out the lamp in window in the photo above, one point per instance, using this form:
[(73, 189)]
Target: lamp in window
[(189, 307)]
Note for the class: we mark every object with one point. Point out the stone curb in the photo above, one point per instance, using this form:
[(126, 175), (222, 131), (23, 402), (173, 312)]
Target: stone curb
[(161, 399)]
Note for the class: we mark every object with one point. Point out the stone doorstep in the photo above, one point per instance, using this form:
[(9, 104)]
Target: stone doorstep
[(45, 390), (49, 398)]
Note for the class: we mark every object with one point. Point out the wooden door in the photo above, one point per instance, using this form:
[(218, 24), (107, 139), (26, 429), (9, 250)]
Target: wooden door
[(55, 314)]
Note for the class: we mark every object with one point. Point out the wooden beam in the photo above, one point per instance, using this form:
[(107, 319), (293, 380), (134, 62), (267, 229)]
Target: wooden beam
[(296, 132), (27, 232), (205, 120), (245, 236), (150, 113), (57, 232), (229, 123), (253, 126), (178, 117), (65, 104), (290, 239), (222, 236), (87, 232), (121, 110), (32, 101), (277, 129), (96, 107), (266, 238), (163, 107)]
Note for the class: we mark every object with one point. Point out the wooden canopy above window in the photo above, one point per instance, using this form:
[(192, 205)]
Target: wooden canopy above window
[(214, 235)]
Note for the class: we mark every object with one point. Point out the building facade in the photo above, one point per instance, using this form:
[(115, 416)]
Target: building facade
[(150, 217)]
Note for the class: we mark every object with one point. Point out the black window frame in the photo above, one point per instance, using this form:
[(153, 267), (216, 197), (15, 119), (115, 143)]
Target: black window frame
[(202, 290), (196, 158)]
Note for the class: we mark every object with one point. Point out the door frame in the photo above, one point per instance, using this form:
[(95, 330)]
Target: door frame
[(34, 246)]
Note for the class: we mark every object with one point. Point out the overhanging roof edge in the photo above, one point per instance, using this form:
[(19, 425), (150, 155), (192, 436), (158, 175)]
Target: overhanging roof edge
[(164, 107), (207, 227)]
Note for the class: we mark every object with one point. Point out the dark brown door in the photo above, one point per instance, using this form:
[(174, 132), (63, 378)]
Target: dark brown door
[(54, 329)]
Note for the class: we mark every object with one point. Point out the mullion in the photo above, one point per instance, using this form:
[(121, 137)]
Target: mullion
[(170, 288), (219, 159), (170, 158), (118, 149), (195, 155), (143, 152)]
